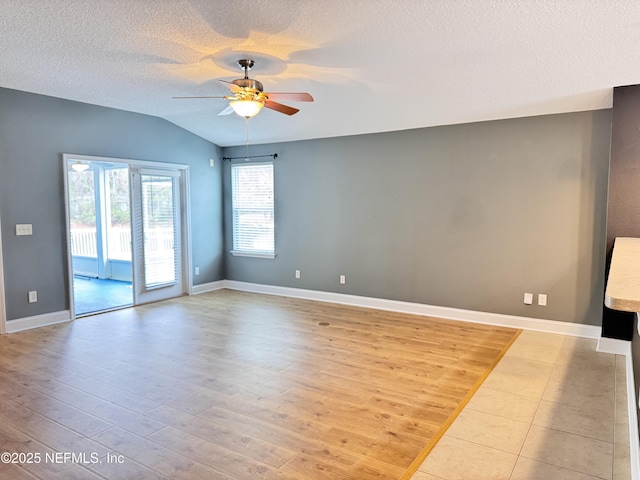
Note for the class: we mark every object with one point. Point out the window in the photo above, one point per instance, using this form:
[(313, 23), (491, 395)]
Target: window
[(252, 209)]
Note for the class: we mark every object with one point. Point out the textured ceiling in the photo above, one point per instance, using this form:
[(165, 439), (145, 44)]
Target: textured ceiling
[(371, 65)]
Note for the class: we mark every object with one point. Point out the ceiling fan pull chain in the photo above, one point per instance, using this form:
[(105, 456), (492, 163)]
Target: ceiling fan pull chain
[(247, 145)]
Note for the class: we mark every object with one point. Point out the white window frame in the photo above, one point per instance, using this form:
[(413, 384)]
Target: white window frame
[(247, 252)]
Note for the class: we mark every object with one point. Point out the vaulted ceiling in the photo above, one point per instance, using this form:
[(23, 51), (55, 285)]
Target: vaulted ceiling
[(371, 65)]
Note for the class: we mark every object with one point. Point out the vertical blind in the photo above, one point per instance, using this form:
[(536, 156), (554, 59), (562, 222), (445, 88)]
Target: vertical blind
[(159, 230), (252, 208)]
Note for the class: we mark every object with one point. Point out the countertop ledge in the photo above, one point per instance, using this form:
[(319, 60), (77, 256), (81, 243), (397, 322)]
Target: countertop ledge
[(623, 285)]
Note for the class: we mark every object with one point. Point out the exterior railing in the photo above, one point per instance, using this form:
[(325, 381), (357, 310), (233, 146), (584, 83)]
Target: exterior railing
[(84, 244)]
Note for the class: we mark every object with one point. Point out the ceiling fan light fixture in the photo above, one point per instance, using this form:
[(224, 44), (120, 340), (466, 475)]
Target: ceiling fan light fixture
[(246, 108)]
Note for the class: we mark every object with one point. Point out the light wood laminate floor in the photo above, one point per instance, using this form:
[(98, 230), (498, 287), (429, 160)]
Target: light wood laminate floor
[(230, 385)]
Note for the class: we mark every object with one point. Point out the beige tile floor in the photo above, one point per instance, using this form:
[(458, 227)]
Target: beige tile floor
[(553, 408)]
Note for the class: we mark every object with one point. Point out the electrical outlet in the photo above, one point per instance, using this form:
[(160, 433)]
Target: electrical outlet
[(528, 298), (297, 273), (197, 270), (212, 162), (343, 279), (33, 296), (542, 299)]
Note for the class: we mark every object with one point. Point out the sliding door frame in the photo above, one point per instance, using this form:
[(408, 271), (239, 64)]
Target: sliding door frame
[(185, 207)]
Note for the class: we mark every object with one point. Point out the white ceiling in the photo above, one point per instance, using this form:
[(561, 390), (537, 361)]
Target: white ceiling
[(371, 65)]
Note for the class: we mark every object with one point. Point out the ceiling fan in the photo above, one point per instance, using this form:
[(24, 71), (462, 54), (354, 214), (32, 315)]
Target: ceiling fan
[(248, 96)]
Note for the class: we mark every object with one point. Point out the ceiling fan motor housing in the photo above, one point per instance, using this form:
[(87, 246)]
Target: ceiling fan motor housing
[(248, 83)]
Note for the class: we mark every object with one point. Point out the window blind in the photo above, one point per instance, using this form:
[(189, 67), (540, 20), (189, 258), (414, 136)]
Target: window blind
[(158, 230), (252, 208)]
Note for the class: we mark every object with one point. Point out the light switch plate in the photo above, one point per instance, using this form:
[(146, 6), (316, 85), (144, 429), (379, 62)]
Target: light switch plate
[(24, 229)]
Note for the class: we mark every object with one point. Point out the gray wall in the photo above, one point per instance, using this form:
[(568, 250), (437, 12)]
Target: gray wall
[(623, 216), (34, 132), (465, 216), (624, 195)]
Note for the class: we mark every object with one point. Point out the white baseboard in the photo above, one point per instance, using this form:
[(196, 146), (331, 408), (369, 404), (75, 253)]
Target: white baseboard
[(513, 321), (613, 345), (207, 287), (35, 321)]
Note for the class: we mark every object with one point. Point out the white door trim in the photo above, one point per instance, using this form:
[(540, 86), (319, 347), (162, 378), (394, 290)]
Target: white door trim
[(3, 311)]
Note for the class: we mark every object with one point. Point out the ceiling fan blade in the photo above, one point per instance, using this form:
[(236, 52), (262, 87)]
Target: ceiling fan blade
[(232, 86), (182, 98), (226, 111), (278, 107), (291, 96)]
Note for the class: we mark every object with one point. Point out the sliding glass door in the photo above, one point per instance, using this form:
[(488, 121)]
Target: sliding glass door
[(128, 235)]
